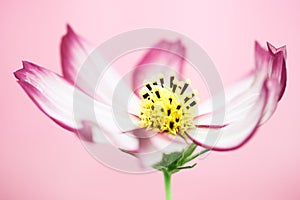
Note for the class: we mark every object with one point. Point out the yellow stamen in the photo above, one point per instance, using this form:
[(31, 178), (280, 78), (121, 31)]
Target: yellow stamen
[(167, 107)]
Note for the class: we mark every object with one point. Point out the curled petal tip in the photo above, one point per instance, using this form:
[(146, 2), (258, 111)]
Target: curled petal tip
[(259, 50), (272, 62), (68, 27), (17, 74), (275, 50), (24, 62), (256, 43), (271, 48), (69, 30), (20, 73), (27, 64), (70, 33)]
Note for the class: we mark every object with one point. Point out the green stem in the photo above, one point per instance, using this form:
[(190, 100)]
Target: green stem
[(168, 189)]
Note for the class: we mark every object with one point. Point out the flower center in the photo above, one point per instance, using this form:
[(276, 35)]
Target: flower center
[(167, 107)]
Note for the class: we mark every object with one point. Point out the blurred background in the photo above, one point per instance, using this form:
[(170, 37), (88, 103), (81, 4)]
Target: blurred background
[(40, 160)]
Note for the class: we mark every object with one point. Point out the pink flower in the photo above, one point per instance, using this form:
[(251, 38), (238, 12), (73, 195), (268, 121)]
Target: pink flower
[(249, 103)]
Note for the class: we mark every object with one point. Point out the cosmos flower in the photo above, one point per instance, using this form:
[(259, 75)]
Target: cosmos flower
[(167, 107)]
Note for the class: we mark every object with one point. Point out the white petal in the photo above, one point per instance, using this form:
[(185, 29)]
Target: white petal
[(242, 121), (86, 67), (71, 108)]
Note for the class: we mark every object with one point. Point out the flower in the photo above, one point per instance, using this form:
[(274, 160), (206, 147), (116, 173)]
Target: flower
[(168, 108)]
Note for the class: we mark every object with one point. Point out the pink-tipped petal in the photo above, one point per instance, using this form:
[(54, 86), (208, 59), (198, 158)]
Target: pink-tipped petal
[(249, 103), (50, 93), (169, 55), (74, 51), (243, 124), (55, 97), (273, 63), (269, 66), (84, 67)]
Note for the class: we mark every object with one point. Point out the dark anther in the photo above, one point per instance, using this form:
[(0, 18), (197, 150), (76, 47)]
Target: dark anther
[(174, 88), (170, 99), (186, 99), (157, 94), (169, 112), (149, 87), (178, 107), (171, 81), (193, 103), (155, 83), (171, 125), (162, 82), (184, 88), (145, 95), (152, 107), (177, 119)]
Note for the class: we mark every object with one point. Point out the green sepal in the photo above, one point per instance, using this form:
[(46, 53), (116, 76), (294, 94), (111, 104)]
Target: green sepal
[(168, 161), (175, 161)]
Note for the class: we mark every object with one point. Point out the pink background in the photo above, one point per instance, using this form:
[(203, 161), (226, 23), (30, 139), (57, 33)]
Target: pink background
[(40, 160)]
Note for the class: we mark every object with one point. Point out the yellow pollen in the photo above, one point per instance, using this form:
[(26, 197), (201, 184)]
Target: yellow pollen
[(167, 107)]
